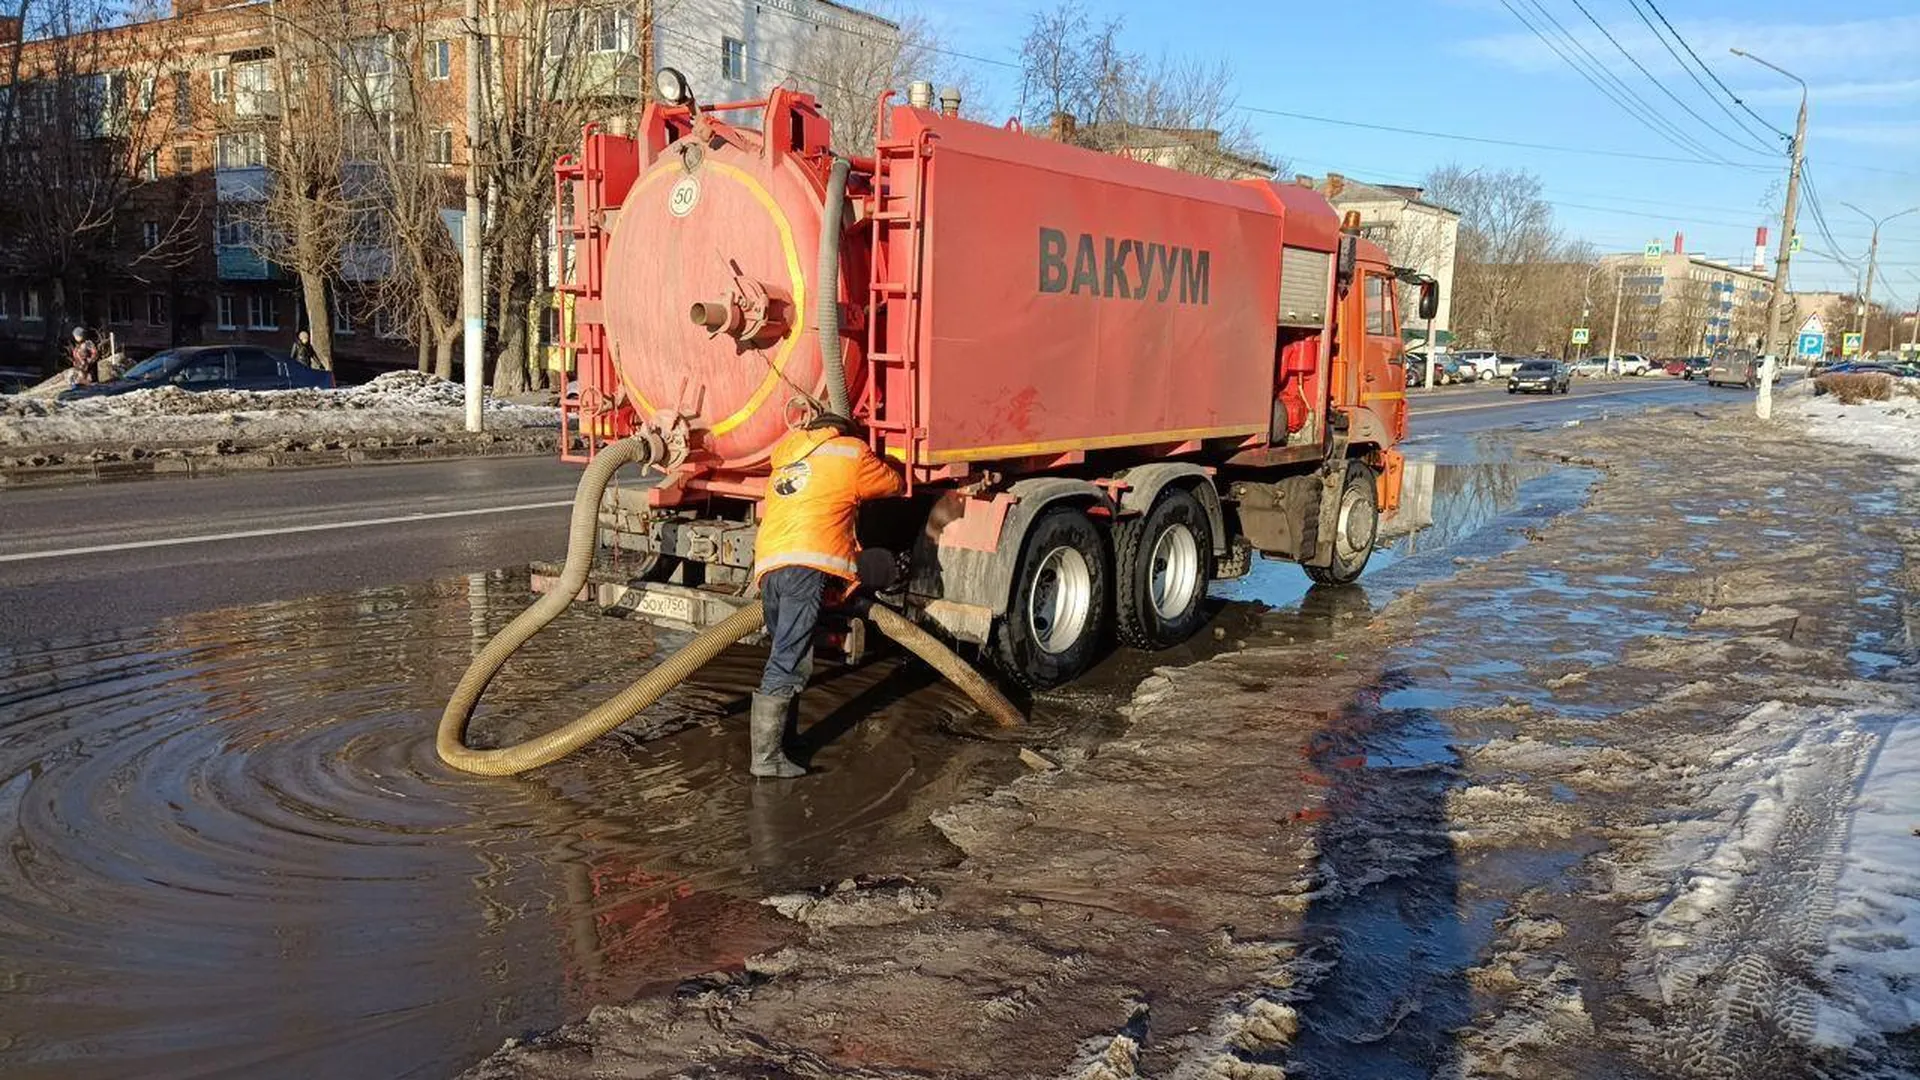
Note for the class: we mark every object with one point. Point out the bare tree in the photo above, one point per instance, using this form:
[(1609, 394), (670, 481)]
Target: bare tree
[(1081, 82), (79, 116), (1506, 235), (846, 68)]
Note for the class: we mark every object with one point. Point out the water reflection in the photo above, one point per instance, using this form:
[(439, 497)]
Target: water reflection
[(232, 851)]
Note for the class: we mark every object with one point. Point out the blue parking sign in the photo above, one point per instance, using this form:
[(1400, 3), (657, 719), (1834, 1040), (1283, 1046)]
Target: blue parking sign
[(1812, 344)]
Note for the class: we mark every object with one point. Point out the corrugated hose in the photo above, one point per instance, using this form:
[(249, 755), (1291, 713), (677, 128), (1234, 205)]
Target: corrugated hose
[(582, 538)]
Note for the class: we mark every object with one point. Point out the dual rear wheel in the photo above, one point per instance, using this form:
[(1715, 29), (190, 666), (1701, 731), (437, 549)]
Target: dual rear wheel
[(1145, 578)]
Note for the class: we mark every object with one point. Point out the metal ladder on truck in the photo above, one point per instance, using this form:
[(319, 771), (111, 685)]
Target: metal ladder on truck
[(893, 293), (589, 414)]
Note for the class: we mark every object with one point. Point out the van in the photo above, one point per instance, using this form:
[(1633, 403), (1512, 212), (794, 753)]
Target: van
[(1733, 367)]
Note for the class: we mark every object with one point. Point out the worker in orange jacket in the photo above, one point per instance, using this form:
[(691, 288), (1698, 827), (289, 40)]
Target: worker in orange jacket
[(806, 557)]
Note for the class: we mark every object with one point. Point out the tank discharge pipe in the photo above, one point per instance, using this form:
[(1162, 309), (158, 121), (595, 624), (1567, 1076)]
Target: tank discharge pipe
[(827, 285), (582, 537)]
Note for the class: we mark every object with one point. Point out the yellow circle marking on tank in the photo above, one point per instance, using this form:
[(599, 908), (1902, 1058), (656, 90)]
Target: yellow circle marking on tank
[(776, 371)]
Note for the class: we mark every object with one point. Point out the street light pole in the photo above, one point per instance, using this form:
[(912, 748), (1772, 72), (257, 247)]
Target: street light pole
[(1613, 336), (1873, 265), (1797, 153), (473, 331)]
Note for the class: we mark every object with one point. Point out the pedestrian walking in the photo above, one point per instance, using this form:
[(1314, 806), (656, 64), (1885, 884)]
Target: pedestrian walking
[(303, 350)]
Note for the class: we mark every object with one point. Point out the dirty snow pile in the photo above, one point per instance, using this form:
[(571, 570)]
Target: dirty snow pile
[(1887, 427), (398, 403)]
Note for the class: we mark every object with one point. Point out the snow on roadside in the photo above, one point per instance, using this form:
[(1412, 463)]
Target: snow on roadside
[(1886, 427), (396, 403)]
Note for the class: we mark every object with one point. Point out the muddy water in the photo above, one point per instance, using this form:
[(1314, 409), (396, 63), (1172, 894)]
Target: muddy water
[(232, 852)]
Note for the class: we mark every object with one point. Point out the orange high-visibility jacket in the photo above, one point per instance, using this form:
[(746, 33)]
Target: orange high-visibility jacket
[(819, 480)]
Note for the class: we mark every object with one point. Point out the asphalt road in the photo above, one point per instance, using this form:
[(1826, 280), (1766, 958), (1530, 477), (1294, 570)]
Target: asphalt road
[(91, 559)]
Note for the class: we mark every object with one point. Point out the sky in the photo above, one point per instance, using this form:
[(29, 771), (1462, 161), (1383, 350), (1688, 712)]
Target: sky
[(1474, 69)]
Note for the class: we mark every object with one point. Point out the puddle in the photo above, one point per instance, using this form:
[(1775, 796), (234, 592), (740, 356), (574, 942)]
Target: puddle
[(233, 851)]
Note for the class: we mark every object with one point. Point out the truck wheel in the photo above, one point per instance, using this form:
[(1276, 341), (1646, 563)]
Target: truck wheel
[(1356, 525), (1058, 608), (1161, 564)]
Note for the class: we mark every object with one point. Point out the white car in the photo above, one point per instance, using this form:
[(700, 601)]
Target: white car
[(1487, 363)]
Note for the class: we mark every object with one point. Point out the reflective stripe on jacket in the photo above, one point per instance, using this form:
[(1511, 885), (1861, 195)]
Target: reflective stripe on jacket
[(819, 480)]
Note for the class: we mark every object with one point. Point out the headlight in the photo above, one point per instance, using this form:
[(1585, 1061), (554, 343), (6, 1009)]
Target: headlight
[(671, 87)]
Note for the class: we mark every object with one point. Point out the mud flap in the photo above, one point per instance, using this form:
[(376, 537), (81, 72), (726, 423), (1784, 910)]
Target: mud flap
[(1333, 478)]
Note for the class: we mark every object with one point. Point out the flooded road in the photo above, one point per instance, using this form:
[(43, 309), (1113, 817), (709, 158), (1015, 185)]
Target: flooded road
[(232, 851)]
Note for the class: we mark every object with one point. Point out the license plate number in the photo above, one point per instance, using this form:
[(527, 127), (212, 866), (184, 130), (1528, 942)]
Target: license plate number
[(666, 606)]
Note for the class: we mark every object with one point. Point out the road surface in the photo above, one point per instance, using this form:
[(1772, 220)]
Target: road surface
[(95, 558)]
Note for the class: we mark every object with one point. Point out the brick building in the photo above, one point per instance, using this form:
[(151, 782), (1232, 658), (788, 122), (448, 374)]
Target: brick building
[(173, 121)]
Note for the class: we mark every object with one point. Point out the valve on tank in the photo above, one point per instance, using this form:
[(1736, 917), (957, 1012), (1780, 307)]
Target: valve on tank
[(750, 314)]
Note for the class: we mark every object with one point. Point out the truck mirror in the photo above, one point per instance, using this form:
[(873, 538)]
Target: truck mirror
[(1429, 299), (1349, 255)]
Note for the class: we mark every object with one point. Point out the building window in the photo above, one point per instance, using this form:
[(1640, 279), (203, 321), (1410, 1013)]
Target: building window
[(440, 147), (182, 99), (183, 161), (263, 312), (148, 87), (342, 315), (603, 30), (120, 309), (156, 309), (440, 59), (149, 235), (241, 150), (150, 165), (30, 305), (384, 325), (733, 59), (223, 311), (612, 30), (217, 84), (6, 303), (372, 55), (253, 89), (233, 232)]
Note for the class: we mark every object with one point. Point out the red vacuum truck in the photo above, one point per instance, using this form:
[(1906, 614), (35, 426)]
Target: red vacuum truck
[(1108, 383)]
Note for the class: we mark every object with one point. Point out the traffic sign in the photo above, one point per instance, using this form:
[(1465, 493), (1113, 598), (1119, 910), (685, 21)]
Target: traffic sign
[(1653, 252), (1580, 336), (1794, 245), (1849, 344), (1812, 345)]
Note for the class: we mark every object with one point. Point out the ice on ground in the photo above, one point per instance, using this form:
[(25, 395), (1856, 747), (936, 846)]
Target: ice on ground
[(396, 403), (1886, 427), (1873, 942)]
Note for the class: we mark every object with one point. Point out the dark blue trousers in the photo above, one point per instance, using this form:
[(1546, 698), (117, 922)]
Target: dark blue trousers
[(792, 597)]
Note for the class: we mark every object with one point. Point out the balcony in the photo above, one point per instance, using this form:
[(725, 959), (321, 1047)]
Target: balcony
[(239, 262), (243, 184), (255, 104)]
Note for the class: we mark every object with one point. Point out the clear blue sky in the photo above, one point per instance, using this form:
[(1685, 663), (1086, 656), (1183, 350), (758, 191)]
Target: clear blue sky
[(1471, 67)]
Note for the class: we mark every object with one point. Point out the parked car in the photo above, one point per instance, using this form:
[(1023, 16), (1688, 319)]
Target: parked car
[(1696, 367), (1487, 363), (1634, 364), (1733, 367), (1540, 376), (1680, 366), (211, 367), (1592, 365)]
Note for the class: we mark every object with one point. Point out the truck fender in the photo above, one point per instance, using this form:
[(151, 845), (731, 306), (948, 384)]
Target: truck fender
[(1365, 426), (1145, 483), (982, 579)]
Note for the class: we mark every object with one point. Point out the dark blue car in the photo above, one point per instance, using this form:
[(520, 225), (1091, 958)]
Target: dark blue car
[(211, 367)]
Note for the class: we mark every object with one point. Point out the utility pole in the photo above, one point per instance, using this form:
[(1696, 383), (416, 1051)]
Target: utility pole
[(1873, 267), (1613, 336), (1797, 154), (473, 333)]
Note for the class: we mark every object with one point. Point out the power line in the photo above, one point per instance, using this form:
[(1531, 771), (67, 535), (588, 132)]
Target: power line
[(1642, 68), (1596, 75), (1760, 140), (1710, 72)]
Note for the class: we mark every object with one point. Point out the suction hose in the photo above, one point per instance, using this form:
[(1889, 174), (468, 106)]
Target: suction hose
[(826, 280), (582, 537)]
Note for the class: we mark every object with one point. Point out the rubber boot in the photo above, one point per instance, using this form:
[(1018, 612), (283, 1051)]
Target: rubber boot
[(768, 729)]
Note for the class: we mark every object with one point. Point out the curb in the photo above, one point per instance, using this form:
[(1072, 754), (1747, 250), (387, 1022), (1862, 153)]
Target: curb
[(183, 466)]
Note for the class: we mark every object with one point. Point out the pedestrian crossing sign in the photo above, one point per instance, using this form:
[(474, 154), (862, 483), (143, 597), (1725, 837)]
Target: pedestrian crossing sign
[(1850, 344), (1580, 336)]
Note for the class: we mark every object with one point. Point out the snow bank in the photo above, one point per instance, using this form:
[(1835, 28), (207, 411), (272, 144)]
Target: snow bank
[(1874, 941), (396, 403), (1886, 427)]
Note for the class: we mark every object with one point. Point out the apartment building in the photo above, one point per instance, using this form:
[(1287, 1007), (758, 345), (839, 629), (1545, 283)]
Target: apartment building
[(1678, 303), (172, 125)]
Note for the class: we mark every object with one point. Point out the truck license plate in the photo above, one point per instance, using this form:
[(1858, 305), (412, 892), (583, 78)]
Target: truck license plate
[(666, 606)]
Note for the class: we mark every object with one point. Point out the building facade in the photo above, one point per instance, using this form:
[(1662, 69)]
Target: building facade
[(187, 115), (1416, 233), (1682, 304)]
